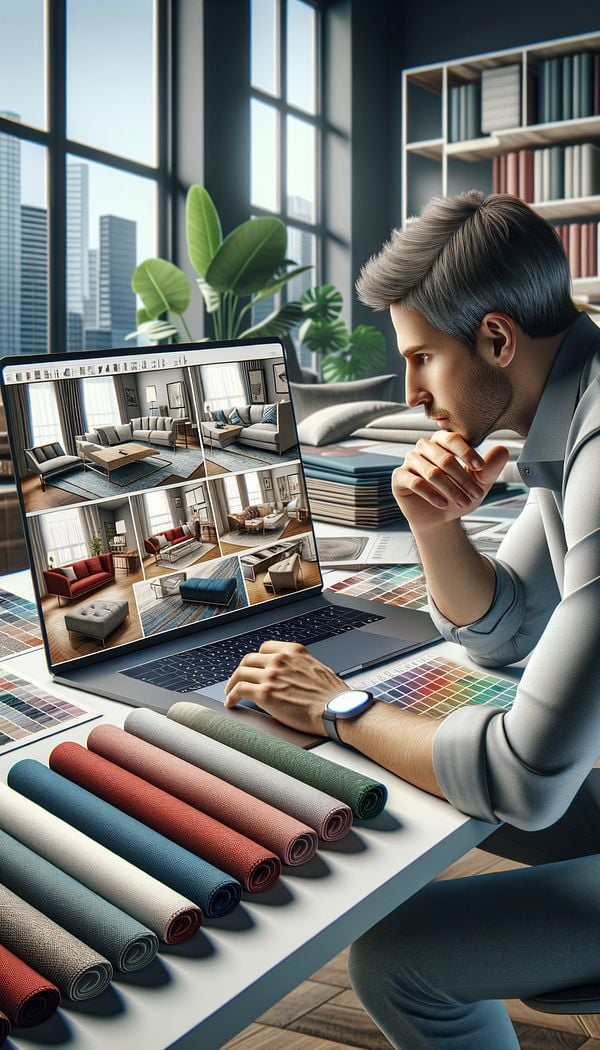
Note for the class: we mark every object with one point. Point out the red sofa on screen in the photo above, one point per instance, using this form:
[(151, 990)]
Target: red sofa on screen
[(172, 536), (90, 573)]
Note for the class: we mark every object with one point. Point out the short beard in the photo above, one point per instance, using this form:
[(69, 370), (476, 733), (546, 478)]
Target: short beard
[(485, 399)]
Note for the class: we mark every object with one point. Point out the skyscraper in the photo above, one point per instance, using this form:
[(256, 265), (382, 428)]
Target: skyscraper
[(77, 244), (90, 306), (34, 280), (117, 263), (10, 242)]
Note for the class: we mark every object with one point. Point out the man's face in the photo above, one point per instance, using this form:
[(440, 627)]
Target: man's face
[(458, 388)]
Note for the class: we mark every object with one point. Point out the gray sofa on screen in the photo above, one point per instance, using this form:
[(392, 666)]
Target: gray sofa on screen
[(271, 437), (48, 460), (153, 430)]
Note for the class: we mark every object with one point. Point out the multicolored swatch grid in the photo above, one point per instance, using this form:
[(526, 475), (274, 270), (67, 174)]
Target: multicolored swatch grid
[(391, 584), (19, 624), (438, 686), (27, 711)]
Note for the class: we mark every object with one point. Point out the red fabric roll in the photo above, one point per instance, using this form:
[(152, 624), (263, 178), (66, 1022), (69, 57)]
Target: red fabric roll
[(292, 841), (26, 998), (255, 867)]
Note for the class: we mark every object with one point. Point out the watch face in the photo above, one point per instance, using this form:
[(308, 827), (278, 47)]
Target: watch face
[(349, 701)]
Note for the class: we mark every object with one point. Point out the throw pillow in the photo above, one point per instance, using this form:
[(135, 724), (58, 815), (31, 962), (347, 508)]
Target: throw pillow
[(338, 422), (218, 416), (186, 530), (310, 397), (108, 436), (235, 418), (162, 541), (123, 431), (67, 571), (269, 414), (94, 565)]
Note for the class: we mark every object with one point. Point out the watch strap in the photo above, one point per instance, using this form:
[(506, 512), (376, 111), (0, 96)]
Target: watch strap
[(329, 723)]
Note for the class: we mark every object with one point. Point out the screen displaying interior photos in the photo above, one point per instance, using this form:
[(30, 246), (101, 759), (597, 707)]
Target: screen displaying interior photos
[(159, 492)]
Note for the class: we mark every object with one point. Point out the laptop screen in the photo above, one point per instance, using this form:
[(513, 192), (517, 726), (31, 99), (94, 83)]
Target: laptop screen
[(162, 490)]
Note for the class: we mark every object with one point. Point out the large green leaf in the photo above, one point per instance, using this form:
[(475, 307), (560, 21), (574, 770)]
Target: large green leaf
[(248, 257), (156, 331), (141, 316), (276, 285), (324, 337), (364, 355), (323, 303), (212, 299), (369, 341), (161, 286), (204, 234), (277, 324)]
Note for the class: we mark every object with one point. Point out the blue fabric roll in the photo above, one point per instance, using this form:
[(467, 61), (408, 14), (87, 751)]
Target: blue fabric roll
[(214, 891), (121, 939)]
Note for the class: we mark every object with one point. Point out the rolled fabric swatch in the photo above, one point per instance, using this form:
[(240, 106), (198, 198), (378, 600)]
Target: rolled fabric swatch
[(172, 917), (76, 969), (214, 891), (256, 868), (4, 1028), (329, 818), (127, 944), (26, 998), (366, 797), (293, 842)]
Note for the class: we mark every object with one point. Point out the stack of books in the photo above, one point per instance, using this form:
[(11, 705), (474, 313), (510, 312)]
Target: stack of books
[(513, 173), (580, 242), (569, 87), (501, 98), (464, 112), (352, 487), (549, 174)]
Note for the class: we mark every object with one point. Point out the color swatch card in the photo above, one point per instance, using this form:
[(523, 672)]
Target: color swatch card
[(391, 584), (436, 686), (28, 712), (19, 625)]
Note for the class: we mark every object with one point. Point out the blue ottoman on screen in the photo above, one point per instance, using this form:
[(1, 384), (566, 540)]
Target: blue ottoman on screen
[(211, 591)]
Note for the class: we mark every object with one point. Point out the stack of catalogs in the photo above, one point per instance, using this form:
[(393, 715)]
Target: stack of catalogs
[(500, 97), (353, 489)]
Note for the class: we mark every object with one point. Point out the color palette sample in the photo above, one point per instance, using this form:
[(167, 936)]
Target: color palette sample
[(27, 711), (19, 624), (438, 686), (391, 584)]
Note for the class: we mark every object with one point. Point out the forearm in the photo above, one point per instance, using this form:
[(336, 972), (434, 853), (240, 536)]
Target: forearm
[(398, 740), (460, 580)]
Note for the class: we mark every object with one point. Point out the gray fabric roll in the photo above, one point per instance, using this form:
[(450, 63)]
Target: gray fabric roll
[(125, 942), (171, 916), (326, 815), (75, 968)]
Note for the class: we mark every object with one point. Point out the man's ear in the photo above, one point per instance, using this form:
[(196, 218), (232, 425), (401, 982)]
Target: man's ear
[(496, 339)]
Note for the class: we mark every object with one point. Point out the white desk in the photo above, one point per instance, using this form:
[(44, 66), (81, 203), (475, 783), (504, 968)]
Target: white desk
[(202, 993)]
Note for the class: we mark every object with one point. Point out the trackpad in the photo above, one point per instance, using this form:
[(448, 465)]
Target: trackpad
[(357, 648)]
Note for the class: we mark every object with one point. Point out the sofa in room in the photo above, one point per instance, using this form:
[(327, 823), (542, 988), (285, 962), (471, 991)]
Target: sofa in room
[(171, 542), (78, 578), (154, 430), (48, 460), (276, 437), (237, 522)]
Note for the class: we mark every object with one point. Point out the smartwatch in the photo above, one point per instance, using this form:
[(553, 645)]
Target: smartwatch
[(349, 704)]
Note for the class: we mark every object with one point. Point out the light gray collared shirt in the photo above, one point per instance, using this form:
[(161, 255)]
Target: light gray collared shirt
[(526, 765)]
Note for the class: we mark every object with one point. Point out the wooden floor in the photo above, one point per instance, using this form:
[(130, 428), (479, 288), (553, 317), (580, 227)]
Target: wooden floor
[(257, 592), (293, 528), (323, 1013), (67, 646)]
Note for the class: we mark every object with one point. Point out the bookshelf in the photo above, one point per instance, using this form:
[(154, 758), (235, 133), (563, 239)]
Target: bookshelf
[(433, 164)]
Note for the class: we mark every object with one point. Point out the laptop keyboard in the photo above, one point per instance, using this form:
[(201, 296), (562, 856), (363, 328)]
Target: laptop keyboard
[(206, 665)]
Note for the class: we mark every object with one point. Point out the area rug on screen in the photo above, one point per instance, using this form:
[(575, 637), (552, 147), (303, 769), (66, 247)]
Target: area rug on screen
[(254, 539), (163, 614), (188, 559), (242, 457), (132, 477)]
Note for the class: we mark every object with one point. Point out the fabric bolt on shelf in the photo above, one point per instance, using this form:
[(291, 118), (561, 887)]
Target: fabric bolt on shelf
[(293, 842), (26, 998), (366, 797), (170, 915), (127, 944), (256, 868), (211, 889), (76, 969), (327, 816)]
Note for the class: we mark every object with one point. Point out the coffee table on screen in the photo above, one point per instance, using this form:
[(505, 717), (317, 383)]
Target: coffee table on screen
[(118, 456), (166, 586)]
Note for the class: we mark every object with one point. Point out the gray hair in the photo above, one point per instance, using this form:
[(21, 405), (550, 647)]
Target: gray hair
[(469, 255)]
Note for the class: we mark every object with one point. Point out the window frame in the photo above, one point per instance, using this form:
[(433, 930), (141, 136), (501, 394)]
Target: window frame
[(59, 148)]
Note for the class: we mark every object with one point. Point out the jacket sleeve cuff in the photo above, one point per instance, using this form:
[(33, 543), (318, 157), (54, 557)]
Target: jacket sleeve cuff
[(459, 760), (498, 625)]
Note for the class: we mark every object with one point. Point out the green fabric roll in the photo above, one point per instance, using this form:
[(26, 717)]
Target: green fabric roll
[(365, 797)]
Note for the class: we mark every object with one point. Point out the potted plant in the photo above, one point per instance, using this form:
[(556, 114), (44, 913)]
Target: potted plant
[(95, 545), (345, 355)]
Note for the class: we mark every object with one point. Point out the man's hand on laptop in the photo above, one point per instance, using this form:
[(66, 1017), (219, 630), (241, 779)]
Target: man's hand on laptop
[(287, 682), (443, 478)]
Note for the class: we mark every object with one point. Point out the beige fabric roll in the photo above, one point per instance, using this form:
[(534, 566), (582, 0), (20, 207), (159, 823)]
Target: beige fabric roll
[(163, 910), (75, 968)]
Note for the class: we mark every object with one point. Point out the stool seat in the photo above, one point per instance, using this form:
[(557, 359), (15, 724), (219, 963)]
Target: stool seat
[(211, 591), (97, 619)]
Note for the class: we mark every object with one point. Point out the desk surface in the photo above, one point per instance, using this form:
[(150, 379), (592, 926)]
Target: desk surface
[(202, 993)]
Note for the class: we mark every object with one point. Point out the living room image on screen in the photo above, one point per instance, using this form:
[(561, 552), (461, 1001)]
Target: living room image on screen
[(280, 568), (259, 506), (86, 562), (94, 437), (175, 527), (187, 596), (245, 414)]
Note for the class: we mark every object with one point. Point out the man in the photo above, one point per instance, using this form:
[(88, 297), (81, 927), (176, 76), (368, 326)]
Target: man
[(479, 293)]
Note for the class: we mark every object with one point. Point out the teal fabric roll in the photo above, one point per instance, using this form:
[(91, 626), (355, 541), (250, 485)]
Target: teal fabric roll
[(214, 891), (117, 936), (365, 797)]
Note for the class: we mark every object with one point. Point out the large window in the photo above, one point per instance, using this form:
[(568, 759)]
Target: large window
[(45, 420), (285, 126), (158, 511), (80, 168), (63, 533), (232, 495), (254, 490), (223, 386), (100, 402)]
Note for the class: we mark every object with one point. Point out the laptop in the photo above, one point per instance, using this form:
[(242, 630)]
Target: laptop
[(168, 526)]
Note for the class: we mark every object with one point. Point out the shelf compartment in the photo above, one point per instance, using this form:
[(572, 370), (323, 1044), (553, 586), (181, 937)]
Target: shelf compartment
[(572, 208), (432, 148)]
